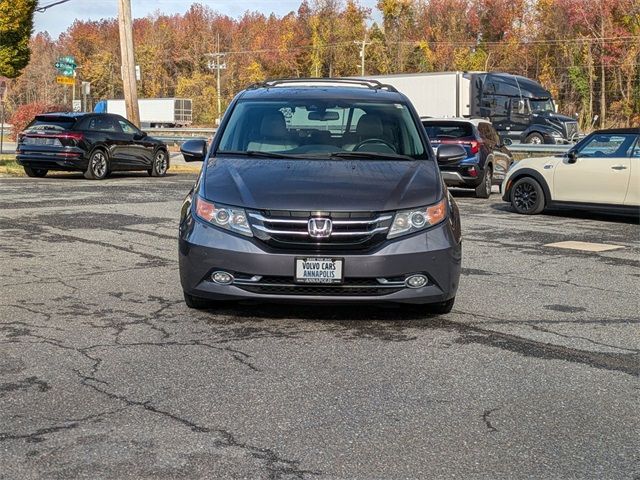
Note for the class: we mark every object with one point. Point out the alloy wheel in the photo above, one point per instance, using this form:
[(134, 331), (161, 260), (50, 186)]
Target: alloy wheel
[(161, 163), (99, 165), (525, 196)]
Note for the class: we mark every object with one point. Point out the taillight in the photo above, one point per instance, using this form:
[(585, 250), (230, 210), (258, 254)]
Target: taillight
[(474, 145), (77, 136)]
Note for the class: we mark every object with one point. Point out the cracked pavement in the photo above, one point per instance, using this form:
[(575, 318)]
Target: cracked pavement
[(104, 372)]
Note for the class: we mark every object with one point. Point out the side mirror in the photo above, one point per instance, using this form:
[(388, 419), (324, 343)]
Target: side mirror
[(507, 141), (194, 150), (449, 153), (572, 156)]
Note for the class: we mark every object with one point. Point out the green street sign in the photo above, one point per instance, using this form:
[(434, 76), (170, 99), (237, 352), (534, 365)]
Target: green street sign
[(66, 65)]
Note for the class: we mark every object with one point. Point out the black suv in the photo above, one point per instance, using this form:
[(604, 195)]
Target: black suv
[(92, 143), (320, 191), (487, 159)]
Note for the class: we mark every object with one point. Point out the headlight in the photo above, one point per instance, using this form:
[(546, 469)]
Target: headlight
[(229, 218), (409, 221)]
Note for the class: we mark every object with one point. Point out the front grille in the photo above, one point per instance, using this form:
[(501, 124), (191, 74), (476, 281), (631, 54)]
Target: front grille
[(352, 287), (572, 130), (290, 229)]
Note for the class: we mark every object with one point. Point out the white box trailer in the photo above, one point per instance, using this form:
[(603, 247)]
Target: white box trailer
[(442, 94), (154, 112)]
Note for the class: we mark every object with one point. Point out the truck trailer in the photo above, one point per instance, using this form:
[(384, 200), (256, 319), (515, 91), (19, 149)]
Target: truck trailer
[(154, 112), (519, 108)]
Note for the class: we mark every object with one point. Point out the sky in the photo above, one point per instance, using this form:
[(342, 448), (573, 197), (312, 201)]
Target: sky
[(60, 17)]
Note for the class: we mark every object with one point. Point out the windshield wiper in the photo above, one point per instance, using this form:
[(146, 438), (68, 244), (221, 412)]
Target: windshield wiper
[(256, 153), (371, 155)]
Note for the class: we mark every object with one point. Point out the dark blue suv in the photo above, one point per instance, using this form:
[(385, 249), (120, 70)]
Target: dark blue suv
[(320, 190), (487, 159)]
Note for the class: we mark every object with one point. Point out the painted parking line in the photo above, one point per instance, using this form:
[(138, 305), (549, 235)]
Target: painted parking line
[(584, 246)]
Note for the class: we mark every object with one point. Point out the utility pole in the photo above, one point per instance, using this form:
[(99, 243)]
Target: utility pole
[(218, 65), (128, 62), (362, 44)]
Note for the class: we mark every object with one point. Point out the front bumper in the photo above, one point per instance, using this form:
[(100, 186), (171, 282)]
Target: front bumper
[(434, 252)]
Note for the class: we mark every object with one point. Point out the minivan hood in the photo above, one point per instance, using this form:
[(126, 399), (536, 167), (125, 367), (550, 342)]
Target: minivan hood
[(326, 185)]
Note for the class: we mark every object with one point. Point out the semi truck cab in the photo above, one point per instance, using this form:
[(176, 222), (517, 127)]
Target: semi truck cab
[(520, 109)]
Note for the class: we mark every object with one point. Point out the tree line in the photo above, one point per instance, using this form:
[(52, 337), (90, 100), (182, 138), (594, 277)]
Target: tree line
[(586, 52)]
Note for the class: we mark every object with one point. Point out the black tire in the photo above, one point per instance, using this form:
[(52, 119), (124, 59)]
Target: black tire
[(35, 172), (534, 138), (442, 307), (527, 196), (160, 164), (98, 167), (197, 302), (484, 189)]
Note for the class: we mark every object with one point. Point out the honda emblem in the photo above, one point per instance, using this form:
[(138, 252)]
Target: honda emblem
[(320, 227)]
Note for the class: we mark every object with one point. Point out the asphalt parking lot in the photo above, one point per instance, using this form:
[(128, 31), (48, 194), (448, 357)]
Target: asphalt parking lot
[(104, 372)]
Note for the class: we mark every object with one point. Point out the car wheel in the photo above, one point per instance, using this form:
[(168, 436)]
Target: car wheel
[(160, 164), (534, 138), (527, 196), (484, 189), (35, 172), (442, 307), (196, 302), (98, 166)]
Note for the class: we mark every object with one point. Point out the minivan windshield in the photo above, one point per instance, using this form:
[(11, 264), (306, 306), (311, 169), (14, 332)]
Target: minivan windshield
[(321, 129)]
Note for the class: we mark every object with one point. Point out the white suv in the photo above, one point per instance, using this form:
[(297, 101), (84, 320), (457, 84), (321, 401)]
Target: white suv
[(603, 170)]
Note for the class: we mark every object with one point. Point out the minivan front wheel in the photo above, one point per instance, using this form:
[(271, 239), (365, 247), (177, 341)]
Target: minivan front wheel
[(98, 167), (527, 196), (35, 172), (196, 302), (442, 307), (160, 164)]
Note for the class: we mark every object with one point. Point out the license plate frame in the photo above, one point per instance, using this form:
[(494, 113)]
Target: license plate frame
[(299, 269)]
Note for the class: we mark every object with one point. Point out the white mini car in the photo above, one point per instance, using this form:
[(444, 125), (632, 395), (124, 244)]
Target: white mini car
[(602, 171)]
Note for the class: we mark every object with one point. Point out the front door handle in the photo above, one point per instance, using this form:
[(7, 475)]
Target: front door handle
[(618, 167)]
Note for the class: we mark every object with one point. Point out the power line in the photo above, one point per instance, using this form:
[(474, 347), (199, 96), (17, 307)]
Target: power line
[(46, 7)]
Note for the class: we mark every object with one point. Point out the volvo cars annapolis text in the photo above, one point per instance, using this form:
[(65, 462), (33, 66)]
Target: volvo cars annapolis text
[(320, 191)]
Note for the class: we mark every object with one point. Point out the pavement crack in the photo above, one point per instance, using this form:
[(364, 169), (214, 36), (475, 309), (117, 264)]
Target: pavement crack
[(487, 421)]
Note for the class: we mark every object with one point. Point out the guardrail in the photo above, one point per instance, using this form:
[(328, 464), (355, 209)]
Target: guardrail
[(539, 148), (177, 136)]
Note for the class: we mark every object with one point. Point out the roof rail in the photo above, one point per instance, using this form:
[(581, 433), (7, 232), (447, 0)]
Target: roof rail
[(361, 82)]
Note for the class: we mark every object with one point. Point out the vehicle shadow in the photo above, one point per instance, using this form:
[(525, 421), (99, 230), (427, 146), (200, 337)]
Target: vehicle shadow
[(113, 175), (577, 214), (325, 312)]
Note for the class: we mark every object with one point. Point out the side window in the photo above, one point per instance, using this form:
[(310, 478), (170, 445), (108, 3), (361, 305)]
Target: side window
[(486, 132), (610, 145), (101, 124), (127, 127), (636, 150)]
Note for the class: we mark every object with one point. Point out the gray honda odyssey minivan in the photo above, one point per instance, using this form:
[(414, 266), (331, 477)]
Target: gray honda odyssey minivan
[(320, 190)]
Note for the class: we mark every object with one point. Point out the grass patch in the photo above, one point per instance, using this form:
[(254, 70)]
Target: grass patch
[(9, 166)]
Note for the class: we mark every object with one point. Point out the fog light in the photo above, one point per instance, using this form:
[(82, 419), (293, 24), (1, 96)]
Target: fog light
[(223, 278), (416, 281), (472, 171)]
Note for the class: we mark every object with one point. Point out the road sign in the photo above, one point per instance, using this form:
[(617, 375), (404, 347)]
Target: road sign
[(86, 88), (66, 65), (66, 80), (77, 105)]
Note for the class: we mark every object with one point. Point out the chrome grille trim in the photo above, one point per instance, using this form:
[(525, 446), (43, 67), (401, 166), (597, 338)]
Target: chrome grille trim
[(262, 218), (353, 233)]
